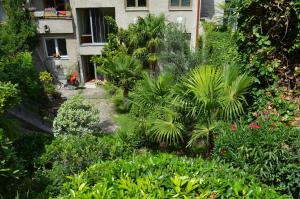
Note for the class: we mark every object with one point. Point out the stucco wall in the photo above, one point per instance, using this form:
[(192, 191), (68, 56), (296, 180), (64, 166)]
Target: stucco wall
[(56, 25)]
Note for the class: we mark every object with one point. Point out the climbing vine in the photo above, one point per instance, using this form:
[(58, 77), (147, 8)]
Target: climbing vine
[(269, 39)]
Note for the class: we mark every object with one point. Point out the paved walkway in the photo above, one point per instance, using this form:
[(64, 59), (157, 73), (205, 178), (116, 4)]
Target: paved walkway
[(98, 97)]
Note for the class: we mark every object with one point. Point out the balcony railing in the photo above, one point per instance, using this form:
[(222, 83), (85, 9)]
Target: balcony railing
[(52, 13)]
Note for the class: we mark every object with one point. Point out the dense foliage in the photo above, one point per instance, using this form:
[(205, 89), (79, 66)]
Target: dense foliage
[(175, 101), (19, 70), (268, 38), (70, 154), (11, 168), (271, 153), (218, 45), (190, 110), (18, 33), (8, 96), (164, 176), (76, 116)]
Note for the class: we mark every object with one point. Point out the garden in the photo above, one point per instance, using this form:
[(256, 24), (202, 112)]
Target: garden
[(218, 121)]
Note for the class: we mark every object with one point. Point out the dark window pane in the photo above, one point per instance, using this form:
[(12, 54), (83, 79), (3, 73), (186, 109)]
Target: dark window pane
[(62, 47), (50, 44), (186, 3), (142, 3), (130, 3), (174, 2)]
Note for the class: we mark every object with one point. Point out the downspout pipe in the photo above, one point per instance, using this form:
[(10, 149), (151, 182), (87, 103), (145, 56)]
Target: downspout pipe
[(197, 22)]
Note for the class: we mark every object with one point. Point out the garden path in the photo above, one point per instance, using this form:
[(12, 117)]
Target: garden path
[(98, 97)]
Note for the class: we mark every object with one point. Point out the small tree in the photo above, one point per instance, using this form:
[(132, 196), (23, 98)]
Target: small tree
[(123, 70), (210, 94), (76, 117)]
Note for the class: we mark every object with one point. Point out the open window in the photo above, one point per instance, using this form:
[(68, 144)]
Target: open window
[(93, 26), (56, 47)]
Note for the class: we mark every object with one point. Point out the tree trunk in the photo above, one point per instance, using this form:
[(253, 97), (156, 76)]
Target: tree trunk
[(210, 144)]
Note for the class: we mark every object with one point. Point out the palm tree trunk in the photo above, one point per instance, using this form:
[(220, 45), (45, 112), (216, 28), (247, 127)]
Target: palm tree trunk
[(125, 95), (210, 143)]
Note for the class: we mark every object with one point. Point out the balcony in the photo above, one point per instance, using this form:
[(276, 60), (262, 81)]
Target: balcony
[(55, 26), (50, 8), (52, 16)]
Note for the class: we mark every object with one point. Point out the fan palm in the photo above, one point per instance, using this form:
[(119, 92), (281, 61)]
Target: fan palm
[(151, 92), (146, 37), (124, 71), (151, 104), (210, 94)]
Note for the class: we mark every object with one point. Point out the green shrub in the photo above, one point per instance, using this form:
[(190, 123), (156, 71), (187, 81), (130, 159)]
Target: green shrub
[(46, 78), (70, 154), (19, 70), (31, 146), (11, 168), (271, 153), (164, 176), (76, 117), (9, 96), (220, 46)]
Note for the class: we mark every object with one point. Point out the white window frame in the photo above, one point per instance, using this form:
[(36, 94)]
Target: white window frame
[(137, 7), (180, 7), (56, 47)]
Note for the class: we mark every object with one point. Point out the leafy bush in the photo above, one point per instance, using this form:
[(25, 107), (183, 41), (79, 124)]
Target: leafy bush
[(46, 78), (164, 176), (268, 39), (11, 168), (76, 117), (271, 153), (70, 154), (18, 33), (31, 146), (273, 103), (9, 96), (219, 47), (20, 70), (176, 55)]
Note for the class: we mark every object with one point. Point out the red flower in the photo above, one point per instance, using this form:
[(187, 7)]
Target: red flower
[(254, 126), (233, 127)]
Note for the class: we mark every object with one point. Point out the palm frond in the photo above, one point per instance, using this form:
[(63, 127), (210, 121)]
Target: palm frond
[(164, 127), (201, 132)]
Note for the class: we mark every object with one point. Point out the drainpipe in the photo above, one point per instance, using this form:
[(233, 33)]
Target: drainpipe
[(197, 22)]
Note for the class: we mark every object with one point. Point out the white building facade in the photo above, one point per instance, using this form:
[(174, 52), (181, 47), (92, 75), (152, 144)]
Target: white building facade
[(72, 31)]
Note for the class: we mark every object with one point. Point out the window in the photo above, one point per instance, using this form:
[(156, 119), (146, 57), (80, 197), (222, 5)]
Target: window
[(56, 47), (136, 3), (93, 26), (180, 3)]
